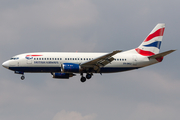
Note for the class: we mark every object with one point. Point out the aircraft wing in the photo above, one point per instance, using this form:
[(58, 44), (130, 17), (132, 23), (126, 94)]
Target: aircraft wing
[(101, 61)]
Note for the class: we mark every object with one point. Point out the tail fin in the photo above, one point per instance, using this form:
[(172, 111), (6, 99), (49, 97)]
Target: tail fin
[(151, 45)]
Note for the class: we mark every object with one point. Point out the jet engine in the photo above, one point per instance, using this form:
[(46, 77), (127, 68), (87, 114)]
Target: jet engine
[(70, 68), (62, 75)]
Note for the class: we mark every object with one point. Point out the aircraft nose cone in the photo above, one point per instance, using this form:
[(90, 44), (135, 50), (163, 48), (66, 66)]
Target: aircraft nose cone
[(6, 64)]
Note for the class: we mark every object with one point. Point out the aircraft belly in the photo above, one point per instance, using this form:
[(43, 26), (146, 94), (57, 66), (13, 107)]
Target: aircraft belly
[(36, 69), (116, 69)]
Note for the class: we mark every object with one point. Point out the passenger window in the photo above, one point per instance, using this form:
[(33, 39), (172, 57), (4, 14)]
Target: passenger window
[(122, 59), (68, 58), (75, 58), (117, 59), (84, 58), (37, 58), (81, 58), (89, 58), (47, 58), (52, 58), (65, 58), (34, 58), (125, 59), (44, 58)]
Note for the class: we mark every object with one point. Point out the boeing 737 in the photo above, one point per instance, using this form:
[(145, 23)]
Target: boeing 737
[(64, 65)]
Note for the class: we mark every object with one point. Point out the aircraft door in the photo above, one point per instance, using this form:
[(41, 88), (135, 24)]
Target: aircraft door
[(29, 61), (134, 60)]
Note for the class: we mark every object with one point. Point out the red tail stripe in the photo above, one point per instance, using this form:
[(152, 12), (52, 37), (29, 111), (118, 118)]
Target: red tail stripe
[(159, 32), (144, 53)]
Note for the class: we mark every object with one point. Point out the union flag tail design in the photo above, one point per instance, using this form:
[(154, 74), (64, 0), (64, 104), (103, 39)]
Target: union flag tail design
[(151, 45)]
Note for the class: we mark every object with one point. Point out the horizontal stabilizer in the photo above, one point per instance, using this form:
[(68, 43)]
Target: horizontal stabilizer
[(161, 54)]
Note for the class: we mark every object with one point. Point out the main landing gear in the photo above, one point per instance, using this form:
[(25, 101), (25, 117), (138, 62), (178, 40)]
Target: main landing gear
[(83, 79), (88, 76)]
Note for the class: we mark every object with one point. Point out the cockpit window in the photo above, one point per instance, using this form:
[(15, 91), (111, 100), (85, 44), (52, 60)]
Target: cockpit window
[(15, 58)]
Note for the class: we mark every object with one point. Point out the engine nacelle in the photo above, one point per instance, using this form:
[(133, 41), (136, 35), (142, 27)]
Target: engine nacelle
[(62, 75), (70, 68)]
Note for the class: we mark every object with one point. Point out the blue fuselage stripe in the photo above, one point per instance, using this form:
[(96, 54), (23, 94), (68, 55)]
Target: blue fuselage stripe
[(36, 69), (58, 69)]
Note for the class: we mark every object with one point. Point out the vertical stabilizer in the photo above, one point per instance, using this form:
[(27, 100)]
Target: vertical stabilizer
[(151, 45)]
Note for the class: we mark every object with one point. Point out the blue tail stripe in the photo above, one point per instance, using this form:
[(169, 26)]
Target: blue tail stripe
[(154, 44)]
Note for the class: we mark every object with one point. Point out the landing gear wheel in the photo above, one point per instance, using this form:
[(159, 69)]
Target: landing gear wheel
[(83, 79), (22, 77), (88, 76)]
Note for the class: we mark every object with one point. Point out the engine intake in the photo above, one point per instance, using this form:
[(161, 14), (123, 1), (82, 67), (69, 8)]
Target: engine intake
[(70, 68)]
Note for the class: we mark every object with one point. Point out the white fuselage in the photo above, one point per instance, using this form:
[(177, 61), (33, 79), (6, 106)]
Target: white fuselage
[(52, 61)]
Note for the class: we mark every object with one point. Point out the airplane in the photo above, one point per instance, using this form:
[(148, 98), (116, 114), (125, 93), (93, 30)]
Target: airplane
[(63, 65)]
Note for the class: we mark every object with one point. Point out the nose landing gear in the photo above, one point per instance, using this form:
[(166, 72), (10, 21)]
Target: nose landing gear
[(22, 77), (20, 72)]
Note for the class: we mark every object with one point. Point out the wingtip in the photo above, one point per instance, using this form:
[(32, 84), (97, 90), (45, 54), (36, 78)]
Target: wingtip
[(118, 50)]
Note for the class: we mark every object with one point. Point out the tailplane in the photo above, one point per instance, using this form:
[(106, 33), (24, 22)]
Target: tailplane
[(151, 45), (159, 57)]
